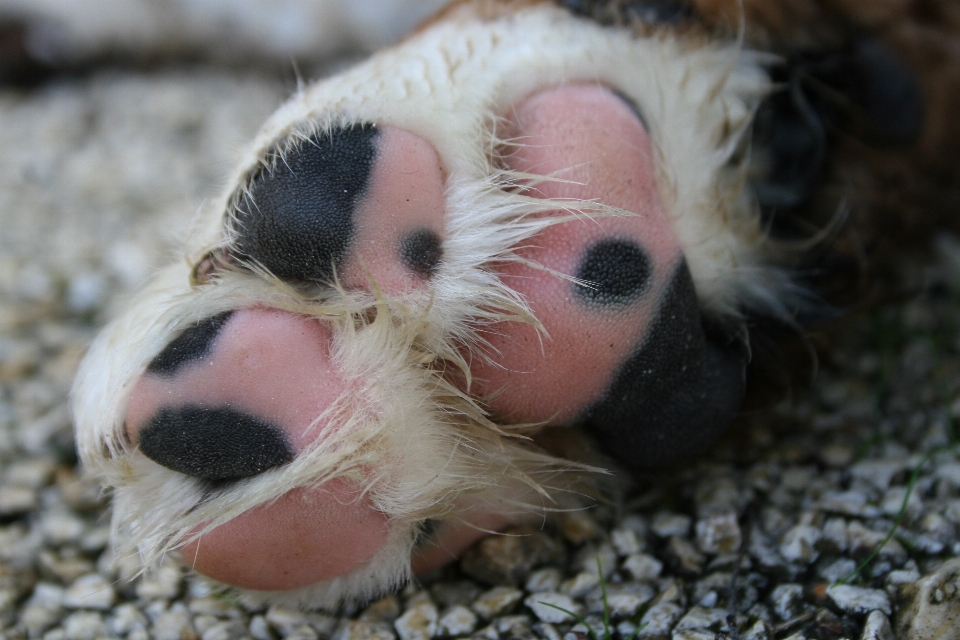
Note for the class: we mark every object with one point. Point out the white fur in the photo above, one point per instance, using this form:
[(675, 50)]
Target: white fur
[(435, 451)]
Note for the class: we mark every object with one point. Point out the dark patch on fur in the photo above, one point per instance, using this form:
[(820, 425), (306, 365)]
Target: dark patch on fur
[(618, 270), (297, 220), (862, 90), (676, 394), (190, 346), (213, 444), (627, 11), (422, 251), (425, 531)]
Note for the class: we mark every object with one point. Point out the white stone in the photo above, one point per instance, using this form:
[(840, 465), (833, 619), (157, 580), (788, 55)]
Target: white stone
[(580, 585), (659, 620), (84, 625), (626, 541), (757, 632), (225, 630), (16, 501), (260, 628), (858, 600), (457, 621), (719, 534), (91, 591), (848, 503), (626, 603), (702, 618), (126, 618), (284, 620), (358, 630), (878, 472), (163, 584), (496, 601), (877, 627), (893, 500), (666, 524), (548, 579), (61, 527), (799, 544), (418, 622), (643, 567), (174, 624), (547, 607), (786, 600), (930, 609)]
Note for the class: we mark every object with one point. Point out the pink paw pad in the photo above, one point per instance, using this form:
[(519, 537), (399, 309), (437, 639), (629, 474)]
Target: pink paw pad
[(361, 204), (624, 349), (237, 395)]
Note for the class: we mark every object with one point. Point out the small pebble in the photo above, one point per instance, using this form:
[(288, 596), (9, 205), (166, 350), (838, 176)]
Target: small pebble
[(163, 584), (786, 601), (623, 601), (666, 524), (126, 618), (174, 624), (643, 567), (418, 622), (284, 620), (84, 625), (719, 534), (225, 630), (660, 619), (457, 621), (496, 602), (701, 618), (877, 627), (799, 544), (61, 527), (685, 556), (858, 600), (580, 585), (17, 501), (548, 579), (260, 629), (553, 607), (91, 591), (626, 541)]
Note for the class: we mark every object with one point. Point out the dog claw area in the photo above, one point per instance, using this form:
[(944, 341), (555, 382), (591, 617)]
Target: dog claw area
[(102, 172)]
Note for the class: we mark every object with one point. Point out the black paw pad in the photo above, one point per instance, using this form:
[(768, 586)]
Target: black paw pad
[(190, 346), (213, 444), (296, 219), (421, 251), (676, 394), (616, 272)]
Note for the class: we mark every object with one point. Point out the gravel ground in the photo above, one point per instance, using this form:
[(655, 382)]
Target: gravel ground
[(100, 175)]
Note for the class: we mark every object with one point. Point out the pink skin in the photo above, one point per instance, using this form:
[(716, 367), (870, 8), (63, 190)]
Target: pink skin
[(405, 194), (258, 364), (587, 135)]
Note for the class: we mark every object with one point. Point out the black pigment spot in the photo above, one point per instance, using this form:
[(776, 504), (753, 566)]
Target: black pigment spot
[(191, 345), (618, 271), (422, 251), (676, 394), (213, 444), (297, 218)]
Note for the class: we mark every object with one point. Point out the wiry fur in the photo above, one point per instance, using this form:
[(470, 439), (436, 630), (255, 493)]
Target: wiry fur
[(420, 448)]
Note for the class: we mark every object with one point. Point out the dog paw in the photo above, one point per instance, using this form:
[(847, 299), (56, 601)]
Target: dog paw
[(517, 223)]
